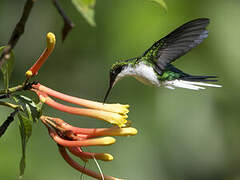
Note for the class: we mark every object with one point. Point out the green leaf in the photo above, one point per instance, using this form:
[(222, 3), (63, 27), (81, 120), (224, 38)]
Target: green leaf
[(161, 3), (7, 68), (35, 110), (86, 8), (31, 113), (25, 127)]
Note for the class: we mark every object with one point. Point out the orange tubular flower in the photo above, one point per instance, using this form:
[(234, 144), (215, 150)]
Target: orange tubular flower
[(74, 139), (109, 113), (112, 131), (116, 108), (51, 41)]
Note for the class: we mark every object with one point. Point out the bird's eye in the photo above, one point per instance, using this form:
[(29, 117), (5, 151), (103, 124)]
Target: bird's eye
[(118, 70)]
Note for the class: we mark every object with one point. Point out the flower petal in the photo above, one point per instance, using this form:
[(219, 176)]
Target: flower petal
[(113, 118), (116, 108), (104, 141), (87, 155)]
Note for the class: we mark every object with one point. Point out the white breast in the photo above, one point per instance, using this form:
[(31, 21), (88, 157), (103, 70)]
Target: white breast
[(141, 72)]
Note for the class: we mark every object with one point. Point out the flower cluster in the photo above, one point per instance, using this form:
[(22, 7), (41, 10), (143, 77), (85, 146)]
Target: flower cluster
[(71, 138), (74, 138), (112, 113)]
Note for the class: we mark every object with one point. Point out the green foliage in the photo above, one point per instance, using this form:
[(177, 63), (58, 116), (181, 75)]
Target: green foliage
[(31, 113), (86, 8), (7, 68), (25, 128), (161, 3), (35, 109)]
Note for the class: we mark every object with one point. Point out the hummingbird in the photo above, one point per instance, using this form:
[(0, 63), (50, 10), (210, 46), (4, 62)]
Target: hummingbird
[(154, 67)]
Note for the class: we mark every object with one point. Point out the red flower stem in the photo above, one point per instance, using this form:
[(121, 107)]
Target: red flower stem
[(88, 142), (78, 167), (68, 98)]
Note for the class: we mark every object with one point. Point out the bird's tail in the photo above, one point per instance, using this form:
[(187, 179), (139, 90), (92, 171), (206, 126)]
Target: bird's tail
[(193, 82), (199, 78)]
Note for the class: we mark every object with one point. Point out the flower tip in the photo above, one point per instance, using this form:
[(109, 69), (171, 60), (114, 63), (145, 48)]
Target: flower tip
[(29, 74), (108, 140), (126, 105), (104, 157), (117, 108), (51, 39), (122, 109), (130, 131), (122, 121), (113, 118)]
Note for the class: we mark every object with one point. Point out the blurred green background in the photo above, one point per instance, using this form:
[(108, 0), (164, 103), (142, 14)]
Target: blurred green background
[(183, 134)]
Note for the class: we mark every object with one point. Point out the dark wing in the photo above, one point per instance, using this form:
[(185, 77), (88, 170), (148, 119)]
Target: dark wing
[(177, 43)]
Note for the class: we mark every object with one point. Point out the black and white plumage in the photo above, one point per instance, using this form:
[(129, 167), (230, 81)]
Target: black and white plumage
[(177, 43), (154, 66)]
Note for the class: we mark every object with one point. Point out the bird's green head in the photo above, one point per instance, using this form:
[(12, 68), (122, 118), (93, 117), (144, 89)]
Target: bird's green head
[(114, 73)]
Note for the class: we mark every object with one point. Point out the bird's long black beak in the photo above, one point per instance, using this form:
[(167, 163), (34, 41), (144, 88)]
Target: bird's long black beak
[(111, 83), (108, 91)]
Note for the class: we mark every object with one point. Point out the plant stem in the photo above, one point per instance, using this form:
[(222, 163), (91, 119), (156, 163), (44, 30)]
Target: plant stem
[(68, 24), (12, 89), (13, 106), (7, 122), (17, 32), (10, 118), (24, 86)]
